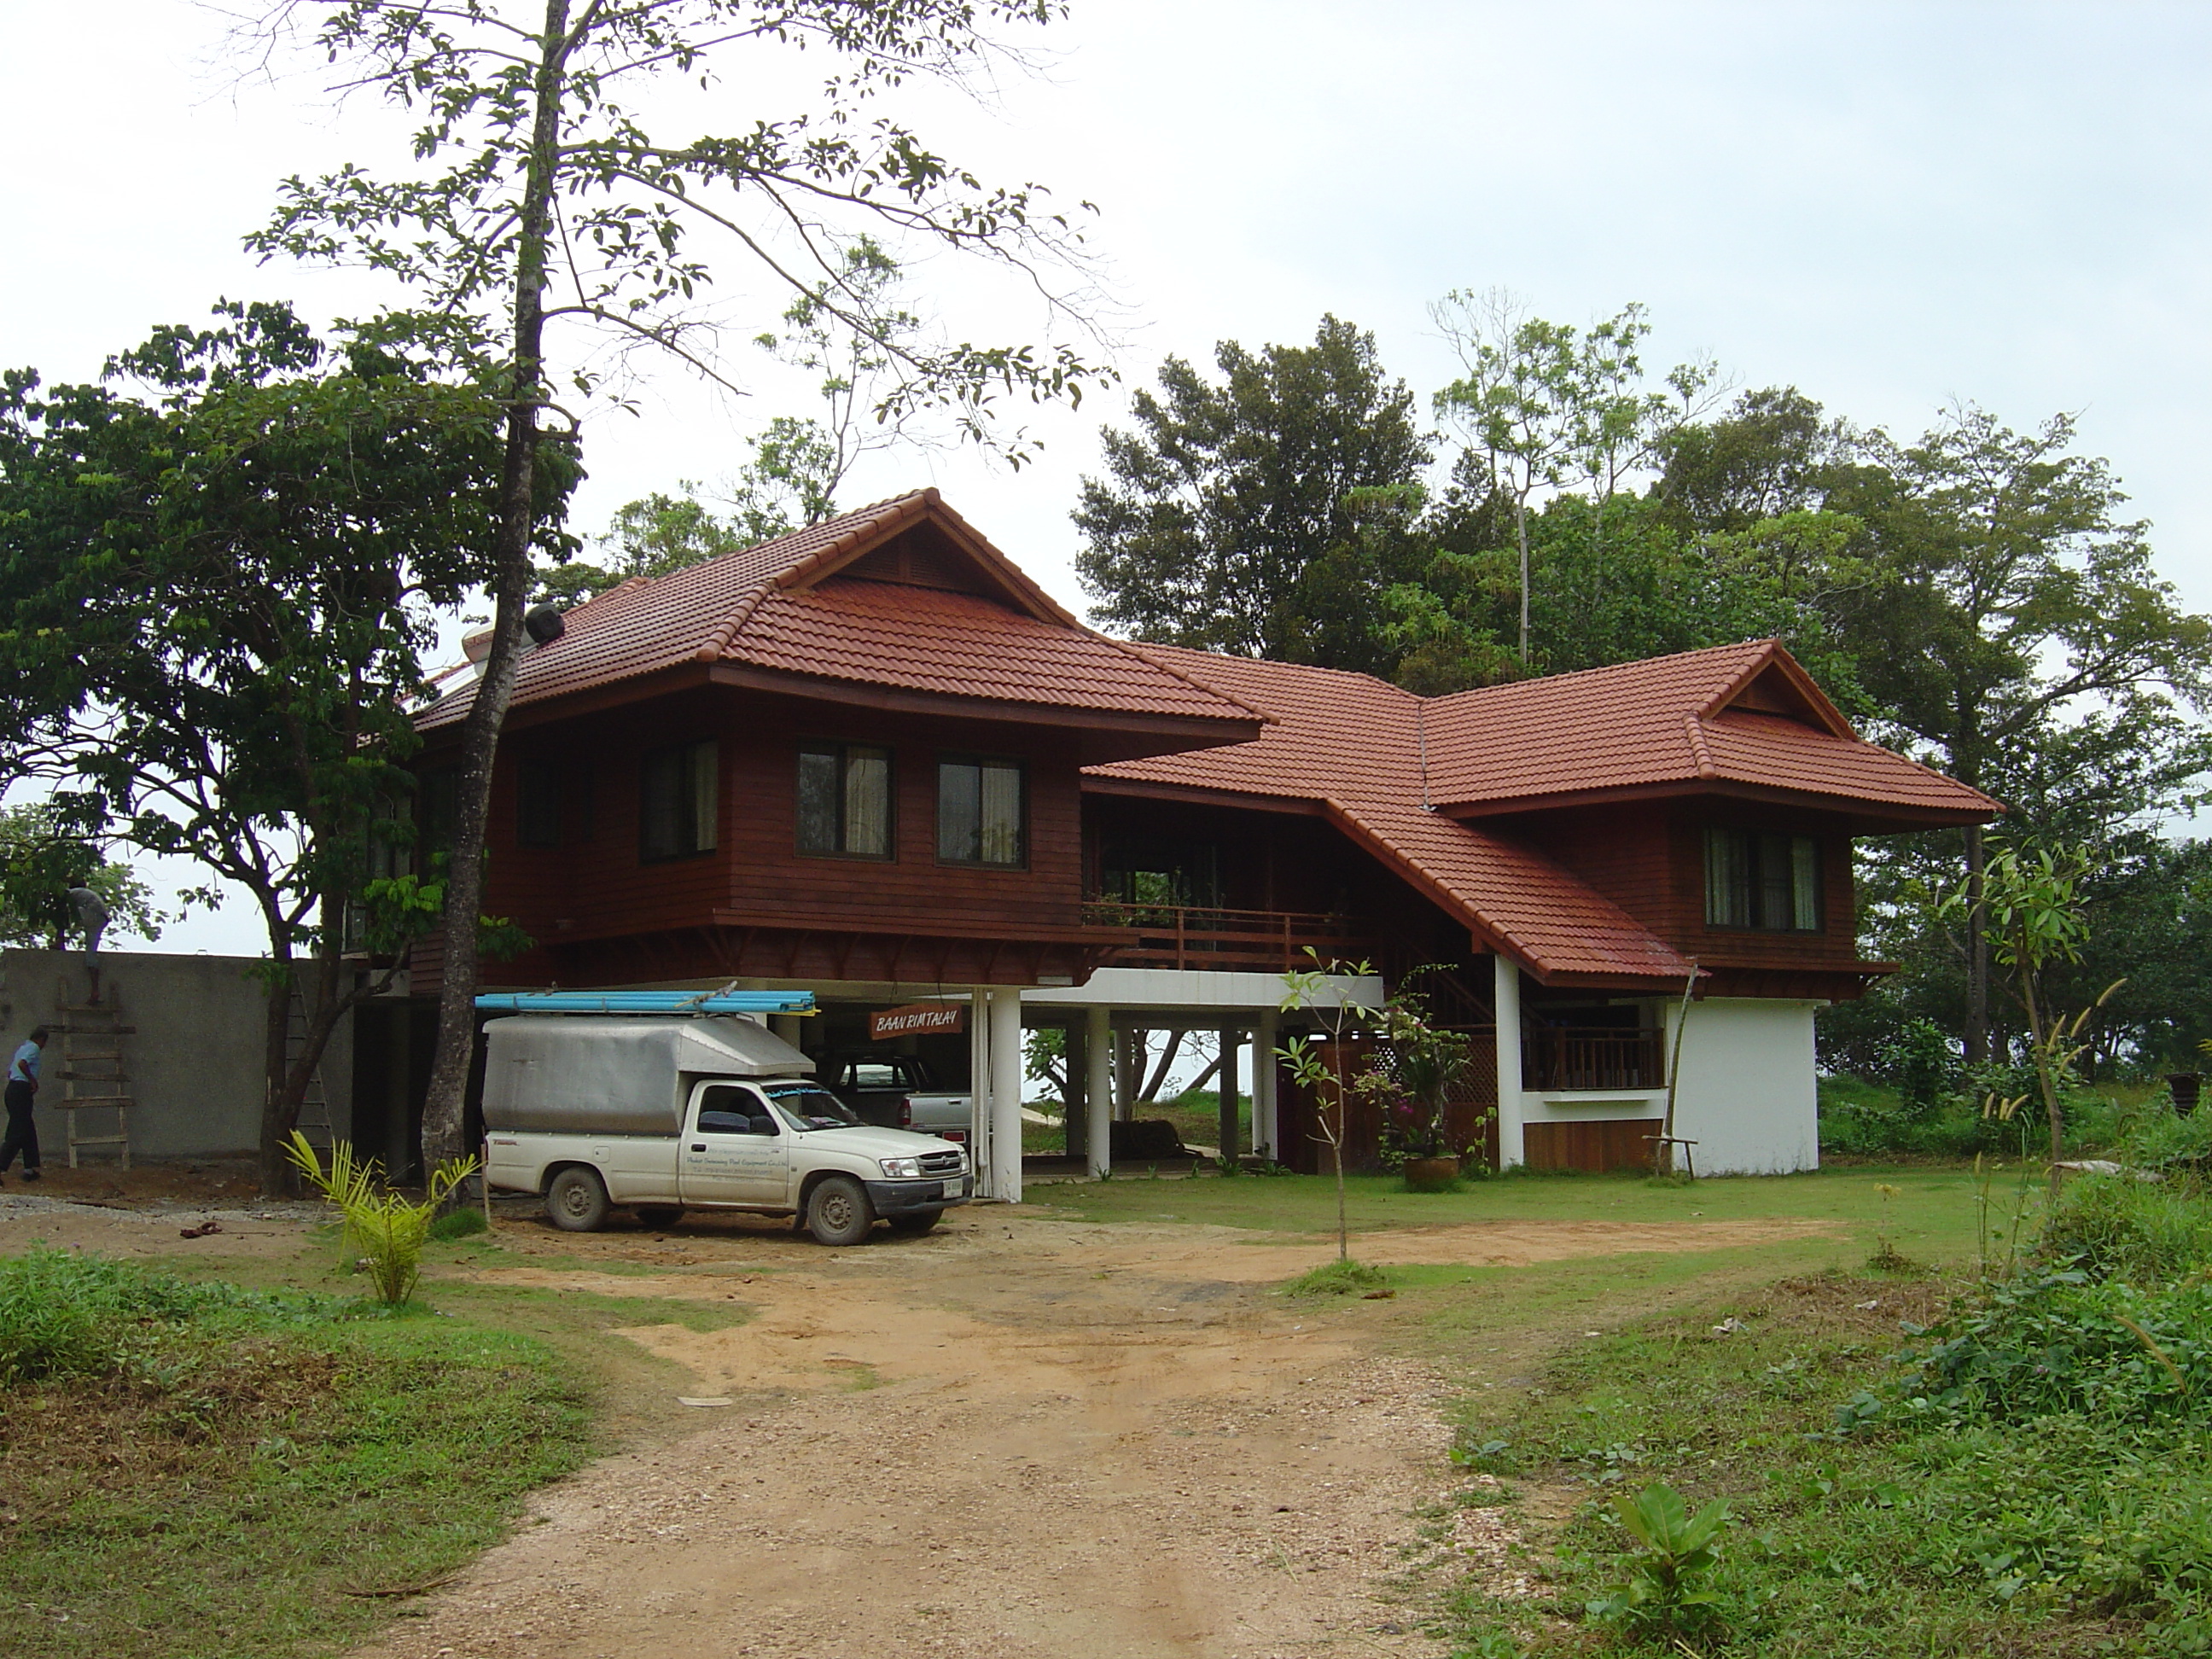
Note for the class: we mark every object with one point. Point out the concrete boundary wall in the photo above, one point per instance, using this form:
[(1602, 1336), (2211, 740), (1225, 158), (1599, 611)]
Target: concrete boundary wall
[(194, 1059)]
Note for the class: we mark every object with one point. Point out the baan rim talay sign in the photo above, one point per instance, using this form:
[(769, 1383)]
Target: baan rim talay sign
[(919, 1019)]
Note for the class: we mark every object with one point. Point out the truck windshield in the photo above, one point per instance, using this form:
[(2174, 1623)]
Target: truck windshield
[(809, 1106)]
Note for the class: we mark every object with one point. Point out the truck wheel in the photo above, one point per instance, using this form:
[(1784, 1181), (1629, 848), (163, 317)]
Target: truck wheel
[(837, 1211), (576, 1201), (660, 1217)]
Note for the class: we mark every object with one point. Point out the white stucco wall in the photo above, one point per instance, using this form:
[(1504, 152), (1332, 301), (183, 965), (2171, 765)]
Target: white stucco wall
[(1746, 1092)]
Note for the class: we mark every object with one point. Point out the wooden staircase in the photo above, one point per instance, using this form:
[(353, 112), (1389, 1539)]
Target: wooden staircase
[(93, 1073)]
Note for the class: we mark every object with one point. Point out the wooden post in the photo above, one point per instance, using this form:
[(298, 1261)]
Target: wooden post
[(1225, 1083)]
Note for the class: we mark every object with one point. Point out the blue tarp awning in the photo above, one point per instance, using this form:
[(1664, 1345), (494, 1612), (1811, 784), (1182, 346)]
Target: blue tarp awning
[(649, 1002)]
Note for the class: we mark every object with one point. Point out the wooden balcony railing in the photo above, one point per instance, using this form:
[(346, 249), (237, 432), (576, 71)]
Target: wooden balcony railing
[(1242, 941), (1570, 1057)]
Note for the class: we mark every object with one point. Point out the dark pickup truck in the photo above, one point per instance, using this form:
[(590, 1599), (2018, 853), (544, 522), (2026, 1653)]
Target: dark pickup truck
[(895, 1092)]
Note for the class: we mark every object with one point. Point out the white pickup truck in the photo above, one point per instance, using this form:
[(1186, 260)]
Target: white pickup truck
[(665, 1114)]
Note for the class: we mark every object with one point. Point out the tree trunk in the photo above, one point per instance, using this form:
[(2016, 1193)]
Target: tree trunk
[(276, 1121), (1521, 533), (1977, 1033), (456, 1025)]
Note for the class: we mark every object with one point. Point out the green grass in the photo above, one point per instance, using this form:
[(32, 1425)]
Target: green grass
[(1931, 1216), (228, 1473), (1915, 1466)]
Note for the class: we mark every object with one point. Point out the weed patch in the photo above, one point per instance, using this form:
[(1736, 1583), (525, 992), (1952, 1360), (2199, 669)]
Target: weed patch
[(219, 1471), (1911, 1467), (1339, 1279)]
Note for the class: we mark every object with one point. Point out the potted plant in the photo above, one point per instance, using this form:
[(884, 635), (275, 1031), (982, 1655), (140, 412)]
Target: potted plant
[(1412, 1087)]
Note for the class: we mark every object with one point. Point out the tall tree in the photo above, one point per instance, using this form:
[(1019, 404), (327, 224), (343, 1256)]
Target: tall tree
[(536, 196), (1541, 403), (215, 588), (2012, 610), (1242, 515)]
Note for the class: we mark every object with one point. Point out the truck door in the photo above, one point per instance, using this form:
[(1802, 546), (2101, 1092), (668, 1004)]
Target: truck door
[(735, 1150)]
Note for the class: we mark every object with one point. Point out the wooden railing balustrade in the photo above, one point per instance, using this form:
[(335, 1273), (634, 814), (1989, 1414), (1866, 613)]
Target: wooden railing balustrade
[(1184, 936), (1593, 1057)]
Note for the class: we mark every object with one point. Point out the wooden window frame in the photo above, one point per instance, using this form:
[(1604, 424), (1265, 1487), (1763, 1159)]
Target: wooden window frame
[(532, 774), (699, 848), (1021, 770), (1750, 844), (841, 748)]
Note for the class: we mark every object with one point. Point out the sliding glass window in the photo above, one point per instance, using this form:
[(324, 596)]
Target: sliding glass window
[(981, 813), (844, 801), (1761, 881), (679, 799)]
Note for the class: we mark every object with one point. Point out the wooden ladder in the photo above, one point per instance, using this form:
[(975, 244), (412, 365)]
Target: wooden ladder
[(92, 1073)]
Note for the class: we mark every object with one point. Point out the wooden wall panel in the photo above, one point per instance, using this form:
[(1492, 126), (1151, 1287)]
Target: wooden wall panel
[(1649, 858), (1597, 1145), (600, 887)]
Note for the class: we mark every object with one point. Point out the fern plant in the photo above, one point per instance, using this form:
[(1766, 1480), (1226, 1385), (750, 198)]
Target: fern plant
[(383, 1231)]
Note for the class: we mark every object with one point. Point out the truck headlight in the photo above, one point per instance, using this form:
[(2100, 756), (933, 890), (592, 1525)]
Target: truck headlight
[(901, 1169)]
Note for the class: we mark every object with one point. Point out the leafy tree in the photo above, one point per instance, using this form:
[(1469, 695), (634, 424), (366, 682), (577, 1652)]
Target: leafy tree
[(1641, 591), (47, 846), (649, 536), (1247, 515), (215, 587), (1541, 402), (2012, 616), (534, 195), (1774, 452)]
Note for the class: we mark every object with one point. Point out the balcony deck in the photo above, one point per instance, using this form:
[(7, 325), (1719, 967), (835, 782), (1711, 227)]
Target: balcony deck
[(1189, 937)]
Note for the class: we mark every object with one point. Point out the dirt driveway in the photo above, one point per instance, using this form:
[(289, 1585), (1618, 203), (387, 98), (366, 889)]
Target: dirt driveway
[(1019, 1437)]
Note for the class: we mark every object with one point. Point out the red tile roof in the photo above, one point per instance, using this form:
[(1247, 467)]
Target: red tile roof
[(1661, 721), (1353, 743), (773, 607), (1360, 747)]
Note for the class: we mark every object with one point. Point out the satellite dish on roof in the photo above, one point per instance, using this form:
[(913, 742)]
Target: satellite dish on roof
[(542, 622)]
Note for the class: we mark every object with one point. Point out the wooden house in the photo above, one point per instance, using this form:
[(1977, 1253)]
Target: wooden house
[(875, 759)]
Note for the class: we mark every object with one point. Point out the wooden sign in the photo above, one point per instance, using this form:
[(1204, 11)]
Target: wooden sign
[(919, 1019)]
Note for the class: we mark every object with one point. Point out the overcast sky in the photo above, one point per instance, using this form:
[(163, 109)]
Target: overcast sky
[(1891, 207)]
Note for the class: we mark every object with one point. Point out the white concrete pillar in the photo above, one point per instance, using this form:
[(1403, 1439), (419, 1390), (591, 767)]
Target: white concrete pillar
[(1006, 1093), (1098, 1054), (1265, 1041), (979, 1089), (1506, 994), (790, 1027)]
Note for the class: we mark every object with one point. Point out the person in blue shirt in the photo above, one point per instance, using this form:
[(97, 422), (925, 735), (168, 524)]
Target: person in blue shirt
[(22, 1088)]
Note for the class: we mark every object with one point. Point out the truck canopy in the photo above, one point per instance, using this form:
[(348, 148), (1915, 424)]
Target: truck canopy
[(618, 1074)]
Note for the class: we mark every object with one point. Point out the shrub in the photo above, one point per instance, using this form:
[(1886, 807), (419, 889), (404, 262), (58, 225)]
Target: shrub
[(383, 1230), (2124, 1227), (2058, 1343), (459, 1223), (1666, 1595)]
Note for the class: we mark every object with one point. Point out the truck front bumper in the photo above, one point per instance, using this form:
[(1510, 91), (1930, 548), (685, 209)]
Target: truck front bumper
[(904, 1197)]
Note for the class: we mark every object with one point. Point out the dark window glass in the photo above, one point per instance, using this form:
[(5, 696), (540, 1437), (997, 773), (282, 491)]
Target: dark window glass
[(440, 807), (1757, 879), (981, 813), (678, 804), (584, 791), (845, 800), (537, 802)]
